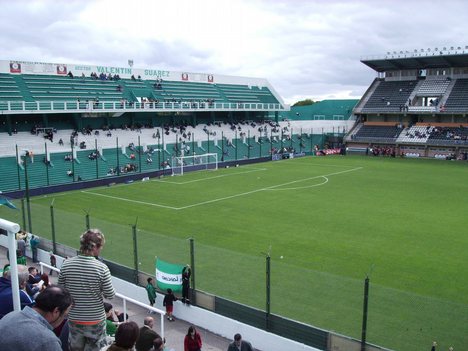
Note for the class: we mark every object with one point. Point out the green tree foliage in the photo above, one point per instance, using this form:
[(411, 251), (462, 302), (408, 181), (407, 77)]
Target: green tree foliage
[(304, 102)]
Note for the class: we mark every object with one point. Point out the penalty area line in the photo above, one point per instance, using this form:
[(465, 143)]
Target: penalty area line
[(208, 178), (129, 200)]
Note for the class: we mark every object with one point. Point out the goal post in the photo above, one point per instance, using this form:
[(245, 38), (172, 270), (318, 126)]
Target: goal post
[(182, 164)]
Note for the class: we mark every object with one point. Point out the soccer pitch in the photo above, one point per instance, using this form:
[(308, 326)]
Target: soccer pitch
[(327, 223)]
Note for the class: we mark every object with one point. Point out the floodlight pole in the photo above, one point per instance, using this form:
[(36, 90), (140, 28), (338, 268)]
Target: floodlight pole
[(364, 314)]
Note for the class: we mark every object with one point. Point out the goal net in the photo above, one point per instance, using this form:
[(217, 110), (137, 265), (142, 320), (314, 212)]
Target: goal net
[(182, 164)]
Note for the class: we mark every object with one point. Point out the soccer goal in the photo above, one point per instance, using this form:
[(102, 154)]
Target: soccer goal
[(182, 164)]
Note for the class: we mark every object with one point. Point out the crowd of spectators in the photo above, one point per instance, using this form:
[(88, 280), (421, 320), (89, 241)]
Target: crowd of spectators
[(450, 133), (385, 150), (103, 77)]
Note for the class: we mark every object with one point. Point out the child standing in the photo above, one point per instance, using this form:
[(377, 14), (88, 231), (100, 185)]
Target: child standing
[(169, 303), (151, 290)]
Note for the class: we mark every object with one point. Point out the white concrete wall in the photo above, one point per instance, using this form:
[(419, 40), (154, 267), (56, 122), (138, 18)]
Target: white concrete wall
[(211, 321)]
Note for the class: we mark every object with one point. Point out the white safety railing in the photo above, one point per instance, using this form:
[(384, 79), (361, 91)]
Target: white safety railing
[(122, 106), (124, 298)]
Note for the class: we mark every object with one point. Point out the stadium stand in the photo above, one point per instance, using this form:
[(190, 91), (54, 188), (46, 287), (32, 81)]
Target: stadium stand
[(457, 101), (385, 132), (390, 96), (417, 100)]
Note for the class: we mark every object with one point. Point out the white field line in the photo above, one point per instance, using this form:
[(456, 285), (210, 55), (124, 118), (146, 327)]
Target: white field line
[(273, 187), (208, 178), (307, 163), (302, 187), (129, 200)]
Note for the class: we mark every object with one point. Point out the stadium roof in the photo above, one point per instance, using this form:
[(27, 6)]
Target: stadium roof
[(406, 61)]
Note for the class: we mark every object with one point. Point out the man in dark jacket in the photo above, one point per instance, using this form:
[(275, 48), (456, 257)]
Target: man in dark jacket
[(147, 335), (6, 291), (239, 345)]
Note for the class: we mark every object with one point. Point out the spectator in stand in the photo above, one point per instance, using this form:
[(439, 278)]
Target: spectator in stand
[(186, 273), (34, 243), (111, 325), (89, 282), (20, 242), (192, 341), (20, 258), (6, 290), (31, 328), (125, 337), (34, 284), (53, 262), (239, 345), (147, 335)]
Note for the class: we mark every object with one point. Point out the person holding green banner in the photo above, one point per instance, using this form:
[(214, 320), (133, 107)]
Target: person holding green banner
[(151, 290)]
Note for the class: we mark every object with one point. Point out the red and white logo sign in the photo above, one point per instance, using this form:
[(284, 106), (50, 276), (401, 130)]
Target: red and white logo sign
[(210, 78), (61, 69), (15, 67), (184, 76)]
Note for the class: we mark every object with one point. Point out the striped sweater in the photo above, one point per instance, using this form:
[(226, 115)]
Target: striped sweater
[(89, 281)]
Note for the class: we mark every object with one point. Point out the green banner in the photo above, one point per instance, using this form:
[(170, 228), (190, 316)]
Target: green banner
[(169, 275)]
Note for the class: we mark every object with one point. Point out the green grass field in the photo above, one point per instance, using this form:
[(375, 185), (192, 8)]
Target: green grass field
[(327, 222)]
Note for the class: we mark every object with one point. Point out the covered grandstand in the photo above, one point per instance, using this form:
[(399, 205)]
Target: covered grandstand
[(83, 122), (417, 105)]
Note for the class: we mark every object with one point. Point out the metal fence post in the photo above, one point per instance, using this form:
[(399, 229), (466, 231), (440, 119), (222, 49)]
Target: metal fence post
[(18, 161), (364, 314), (28, 201), (87, 219), (192, 265), (46, 162), (268, 290), (23, 212), (52, 224), (135, 251), (97, 158)]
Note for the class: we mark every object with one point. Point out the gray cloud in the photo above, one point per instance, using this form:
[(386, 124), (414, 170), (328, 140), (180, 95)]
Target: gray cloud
[(304, 48)]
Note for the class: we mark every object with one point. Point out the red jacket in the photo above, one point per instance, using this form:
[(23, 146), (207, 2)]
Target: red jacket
[(192, 344)]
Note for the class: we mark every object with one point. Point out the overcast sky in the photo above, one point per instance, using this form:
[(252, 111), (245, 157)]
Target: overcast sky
[(306, 49)]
